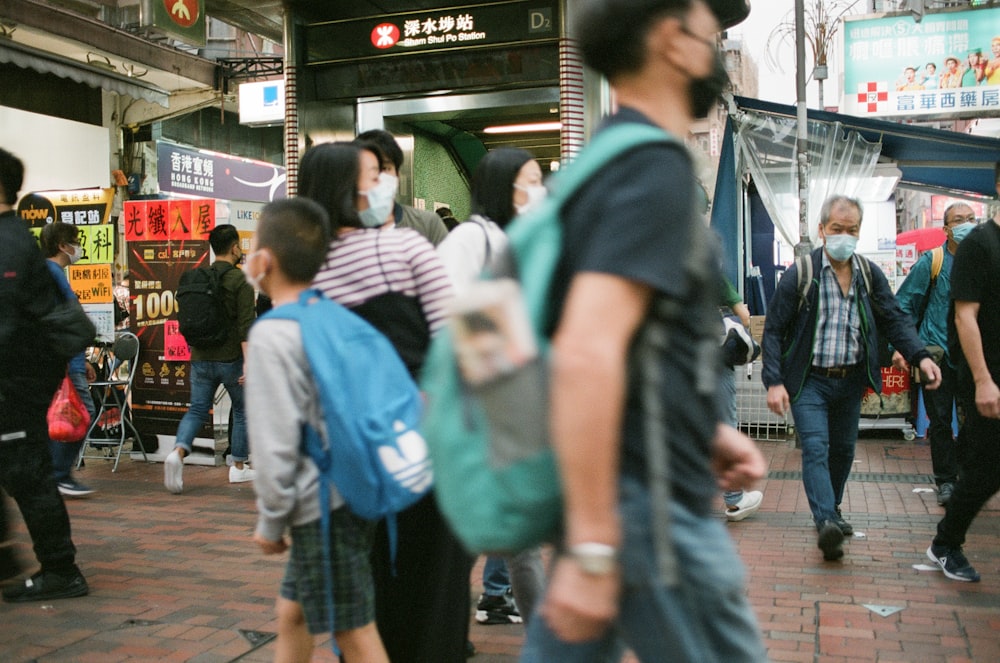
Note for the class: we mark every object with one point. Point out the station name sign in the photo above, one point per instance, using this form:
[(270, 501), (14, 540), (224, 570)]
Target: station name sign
[(493, 24)]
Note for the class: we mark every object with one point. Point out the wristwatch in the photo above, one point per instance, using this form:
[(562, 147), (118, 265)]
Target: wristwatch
[(598, 559)]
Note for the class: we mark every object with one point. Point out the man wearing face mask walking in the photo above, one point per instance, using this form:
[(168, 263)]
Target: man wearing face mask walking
[(61, 246), (644, 562), (926, 296), (820, 351), (222, 364), (972, 332)]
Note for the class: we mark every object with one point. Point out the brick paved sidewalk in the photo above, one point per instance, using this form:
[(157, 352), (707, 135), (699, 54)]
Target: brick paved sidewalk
[(176, 578)]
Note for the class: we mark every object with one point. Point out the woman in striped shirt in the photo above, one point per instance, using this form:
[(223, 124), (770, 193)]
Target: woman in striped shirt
[(394, 279)]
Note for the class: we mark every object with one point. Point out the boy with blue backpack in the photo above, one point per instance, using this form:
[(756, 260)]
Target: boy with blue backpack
[(283, 403)]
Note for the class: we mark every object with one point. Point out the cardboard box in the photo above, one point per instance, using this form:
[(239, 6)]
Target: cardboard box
[(757, 327)]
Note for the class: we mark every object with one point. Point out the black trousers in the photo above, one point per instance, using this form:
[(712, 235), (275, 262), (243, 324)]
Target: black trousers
[(422, 610), (978, 448), (26, 475), (939, 403)]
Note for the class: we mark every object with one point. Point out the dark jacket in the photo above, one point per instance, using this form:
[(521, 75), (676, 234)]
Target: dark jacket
[(238, 299), (789, 331), (29, 374)]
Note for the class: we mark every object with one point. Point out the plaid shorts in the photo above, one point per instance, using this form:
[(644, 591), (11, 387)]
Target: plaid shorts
[(353, 588)]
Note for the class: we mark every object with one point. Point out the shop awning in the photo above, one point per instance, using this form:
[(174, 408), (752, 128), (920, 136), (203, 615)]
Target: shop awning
[(50, 63), (930, 159)]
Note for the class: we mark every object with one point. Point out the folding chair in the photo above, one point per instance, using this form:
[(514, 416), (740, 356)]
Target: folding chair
[(107, 433)]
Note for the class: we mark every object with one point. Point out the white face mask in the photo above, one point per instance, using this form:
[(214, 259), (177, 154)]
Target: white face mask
[(253, 279), (536, 194), (75, 255), (381, 199)]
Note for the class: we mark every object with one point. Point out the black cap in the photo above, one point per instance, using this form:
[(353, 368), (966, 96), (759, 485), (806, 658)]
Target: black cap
[(729, 12)]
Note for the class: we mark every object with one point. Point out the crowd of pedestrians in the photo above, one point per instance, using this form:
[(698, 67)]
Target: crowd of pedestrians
[(624, 573)]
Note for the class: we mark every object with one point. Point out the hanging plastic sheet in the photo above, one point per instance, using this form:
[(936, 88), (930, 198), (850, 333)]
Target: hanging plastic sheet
[(840, 163)]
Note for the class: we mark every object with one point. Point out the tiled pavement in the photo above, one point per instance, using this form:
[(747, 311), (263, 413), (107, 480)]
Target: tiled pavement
[(176, 578)]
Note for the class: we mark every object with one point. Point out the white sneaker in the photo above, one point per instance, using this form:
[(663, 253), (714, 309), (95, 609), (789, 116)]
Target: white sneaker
[(236, 475), (747, 505), (173, 472)]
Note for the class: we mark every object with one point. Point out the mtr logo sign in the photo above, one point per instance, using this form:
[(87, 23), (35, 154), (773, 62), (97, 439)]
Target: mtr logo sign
[(385, 35), (183, 12)]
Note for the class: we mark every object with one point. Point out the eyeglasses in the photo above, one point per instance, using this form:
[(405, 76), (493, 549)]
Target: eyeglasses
[(711, 43), (956, 220)]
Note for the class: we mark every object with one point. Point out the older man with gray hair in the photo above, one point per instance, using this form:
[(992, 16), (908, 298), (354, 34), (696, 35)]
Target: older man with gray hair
[(821, 351)]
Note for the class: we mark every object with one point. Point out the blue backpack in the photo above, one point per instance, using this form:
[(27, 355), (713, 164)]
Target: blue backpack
[(372, 451), (496, 479)]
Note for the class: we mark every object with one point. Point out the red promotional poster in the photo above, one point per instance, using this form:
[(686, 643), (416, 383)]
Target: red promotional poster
[(179, 220), (175, 348), (203, 218), (134, 214), (157, 229)]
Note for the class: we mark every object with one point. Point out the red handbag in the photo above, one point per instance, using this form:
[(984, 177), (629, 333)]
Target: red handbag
[(68, 416)]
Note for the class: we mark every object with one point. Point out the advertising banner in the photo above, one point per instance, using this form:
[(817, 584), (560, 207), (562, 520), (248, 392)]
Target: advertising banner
[(93, 286), (165, 239), (194, 172), (80, 207), (90, 277), (946, 66)]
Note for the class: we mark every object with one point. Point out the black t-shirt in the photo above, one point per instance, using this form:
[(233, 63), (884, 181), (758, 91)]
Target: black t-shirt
[(975, 277), (637, 220)]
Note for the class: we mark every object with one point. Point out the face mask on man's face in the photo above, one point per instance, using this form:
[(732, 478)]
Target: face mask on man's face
[(841, 247), (961, 231), (707, 91)]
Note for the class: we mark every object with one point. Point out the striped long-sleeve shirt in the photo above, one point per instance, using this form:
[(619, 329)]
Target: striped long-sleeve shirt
[(366, 263)]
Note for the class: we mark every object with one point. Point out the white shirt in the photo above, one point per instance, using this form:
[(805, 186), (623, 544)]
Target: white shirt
[(464, 251)]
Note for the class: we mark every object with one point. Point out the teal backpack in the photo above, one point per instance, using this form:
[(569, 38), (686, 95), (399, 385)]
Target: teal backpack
[(496, 479)]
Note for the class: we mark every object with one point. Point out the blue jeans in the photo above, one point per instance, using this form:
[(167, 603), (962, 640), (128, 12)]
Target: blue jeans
[(496, 577), (65, 454), (826, 417), (727, 391), (705, 619), (206, 376)]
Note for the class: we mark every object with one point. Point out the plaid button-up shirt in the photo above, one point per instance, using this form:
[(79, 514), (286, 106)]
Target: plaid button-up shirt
[(838, 329)]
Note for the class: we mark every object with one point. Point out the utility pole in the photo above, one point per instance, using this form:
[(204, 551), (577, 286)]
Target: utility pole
[(802, 130)]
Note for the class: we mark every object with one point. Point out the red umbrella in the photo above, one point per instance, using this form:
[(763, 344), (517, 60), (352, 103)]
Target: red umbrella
[(924, 238)]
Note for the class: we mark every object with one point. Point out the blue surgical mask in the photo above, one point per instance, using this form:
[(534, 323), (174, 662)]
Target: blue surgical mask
[(381, 199), (959, 232), (841, 247)]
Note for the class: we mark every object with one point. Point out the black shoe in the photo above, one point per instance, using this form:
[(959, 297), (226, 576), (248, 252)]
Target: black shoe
[(830, 540), (504, 603), (46, 586), (470, 649), (945, 491), (953, 563), (493, 609), (844, 526)]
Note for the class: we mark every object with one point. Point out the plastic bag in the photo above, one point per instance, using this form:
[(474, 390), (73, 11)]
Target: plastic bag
[(68, 416)]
